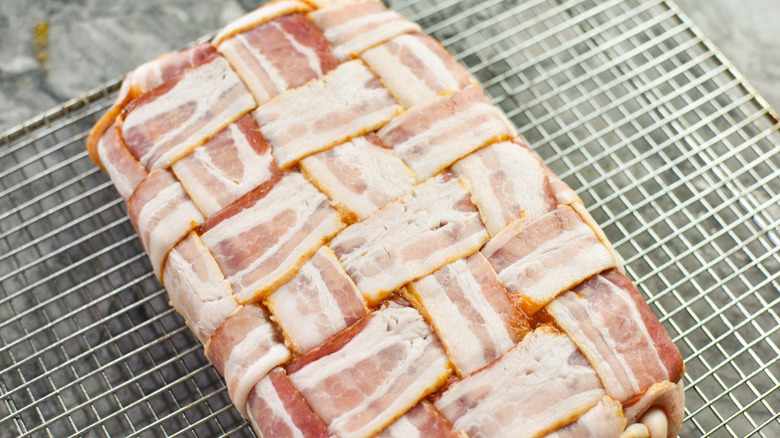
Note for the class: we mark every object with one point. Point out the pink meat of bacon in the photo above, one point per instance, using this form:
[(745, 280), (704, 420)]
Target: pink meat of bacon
[(605, 420), (614, 327), (507, 183), (431, 136), (415, 67), (197, 288), (539, 260), (279, 55), (125, 171), (353, 27), (317, 303), (162, 213), (167, 123), (261, 240), (360, 383), (471, 312), (347, 102), (412, 237), (276, 409), (227, 167), (422, 421), (538, 386), (244, 349), (360, 175)]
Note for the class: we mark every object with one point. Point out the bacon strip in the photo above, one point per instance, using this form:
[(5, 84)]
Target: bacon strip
[(360, 176), (614, 327), (276, 409), (431, 136), (538, 386), (124, 170), (353, 27), (260, 16), (386, 368), (415, 67), (227, 167), (244, 349), (161, 213), (507, 183), (347, 102), (470, 310), (282, 54), (167, 123), (605, 420), (412, 237), (262, 240), (318, 302), (422, 421), (197, 288), (667, 396), (539, 260)]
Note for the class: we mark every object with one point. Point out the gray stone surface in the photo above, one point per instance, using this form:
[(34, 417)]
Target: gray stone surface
[(91, 41)]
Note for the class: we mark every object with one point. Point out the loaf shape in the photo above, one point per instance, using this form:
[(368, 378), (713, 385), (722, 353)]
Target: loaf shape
[(365, 246)]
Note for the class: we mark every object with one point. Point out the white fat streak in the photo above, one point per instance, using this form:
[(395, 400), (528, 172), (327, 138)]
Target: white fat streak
[(401, 428), (204, 85), (266, 391), (308, 52), (603, 420), (395, 226), (436, 154), (390, 326), (536, 375), (238, 59), (121, 181), (241, 374), (465, 347), (521, 171), (559, 274), (379, 169), (293, 191), (409, 88), (259, 16), (361, 33), (205, 298), (257, 169), (307, 331), (288, 122)]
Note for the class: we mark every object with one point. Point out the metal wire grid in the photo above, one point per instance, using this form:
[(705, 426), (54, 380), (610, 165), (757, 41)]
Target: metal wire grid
[(672, 152)]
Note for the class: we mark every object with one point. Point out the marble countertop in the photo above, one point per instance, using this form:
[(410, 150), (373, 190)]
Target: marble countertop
[(54, 50)]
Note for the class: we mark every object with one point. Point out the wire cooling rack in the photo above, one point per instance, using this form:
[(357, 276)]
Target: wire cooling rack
[(674, 154)]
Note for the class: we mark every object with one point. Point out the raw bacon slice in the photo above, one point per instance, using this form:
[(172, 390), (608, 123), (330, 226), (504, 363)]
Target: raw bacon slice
[(434, 225), (347, 102), (317, 303), (415, 67), (353, 27), (431, 136), (259, 16), (541, 384), (124, 170), (613, 326), (507, 183), (667, 396), (282, 54), (244, 349), (360, 176), (539, 260), (470, 311), (167, 123), (378, 374), (144, 79), (227, 167), (161, 213), (422, 421), (276, 409), (605, 420), (262, 240), (197, 288)]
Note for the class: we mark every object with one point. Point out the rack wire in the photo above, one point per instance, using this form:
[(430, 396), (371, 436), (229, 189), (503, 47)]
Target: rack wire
[(672, 151)]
